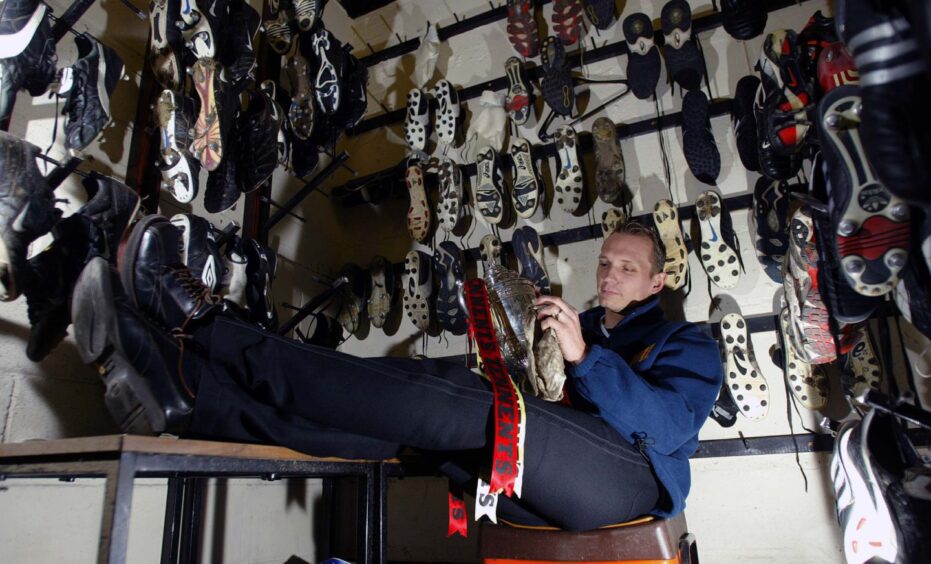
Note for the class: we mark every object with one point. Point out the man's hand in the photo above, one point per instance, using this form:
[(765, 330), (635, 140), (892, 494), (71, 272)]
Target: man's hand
[(555, 313)]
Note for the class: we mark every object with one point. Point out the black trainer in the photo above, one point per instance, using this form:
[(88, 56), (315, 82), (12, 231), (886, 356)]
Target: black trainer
[(785, 97), (199, 250), (307, 12), (818, 34), (238, 55), (355, 93), (744, 121), (261, 267), (27, 51), (52, 275), (329, 62), (27, 210), (174, 114), (893, 78), (165, 43), (447, 264), (222, 190), (141, 365), (743, 19), (96, 229), (112, 207), (155, 279), (94, 77), (257, 141)]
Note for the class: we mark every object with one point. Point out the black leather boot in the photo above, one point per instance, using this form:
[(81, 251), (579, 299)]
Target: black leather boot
[(155, 279), (27, 210), (147, 387)]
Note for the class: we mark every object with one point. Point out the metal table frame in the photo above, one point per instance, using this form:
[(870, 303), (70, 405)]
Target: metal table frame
[(120, 459)]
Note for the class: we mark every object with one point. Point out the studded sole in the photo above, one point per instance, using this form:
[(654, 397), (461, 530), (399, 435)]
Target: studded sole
[(418, 289), (666, 218), (807, 383), (418, 213), (745, 381), (569, 182), (873, 230), (208, 144), (717, 257)]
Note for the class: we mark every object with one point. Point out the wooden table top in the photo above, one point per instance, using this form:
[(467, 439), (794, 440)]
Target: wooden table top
[(160, 445)]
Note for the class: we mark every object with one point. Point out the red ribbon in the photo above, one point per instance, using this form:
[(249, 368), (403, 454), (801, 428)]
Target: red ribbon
[(507, 410), (457, 517)]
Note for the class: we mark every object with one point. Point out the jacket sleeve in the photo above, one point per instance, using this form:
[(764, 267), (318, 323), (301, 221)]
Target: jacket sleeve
[(668, 401)]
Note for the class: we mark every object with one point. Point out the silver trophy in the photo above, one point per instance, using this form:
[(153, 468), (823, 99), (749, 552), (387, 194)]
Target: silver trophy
[(536, 365)]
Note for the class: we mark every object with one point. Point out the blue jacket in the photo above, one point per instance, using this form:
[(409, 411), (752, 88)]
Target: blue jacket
[(655, 382)]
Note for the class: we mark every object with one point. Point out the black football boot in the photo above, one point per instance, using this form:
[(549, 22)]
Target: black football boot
[(27, 51)]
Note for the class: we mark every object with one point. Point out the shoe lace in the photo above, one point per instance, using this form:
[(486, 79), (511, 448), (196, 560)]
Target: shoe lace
[(180, 336), (194, 288)]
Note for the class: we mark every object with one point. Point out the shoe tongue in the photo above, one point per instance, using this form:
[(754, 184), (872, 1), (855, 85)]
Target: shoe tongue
[(66, 81)]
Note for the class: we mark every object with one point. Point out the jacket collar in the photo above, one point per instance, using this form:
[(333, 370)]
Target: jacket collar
[(592, 319)]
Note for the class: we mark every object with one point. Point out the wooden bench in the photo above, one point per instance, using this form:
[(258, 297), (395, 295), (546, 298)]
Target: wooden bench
[(120, 459)]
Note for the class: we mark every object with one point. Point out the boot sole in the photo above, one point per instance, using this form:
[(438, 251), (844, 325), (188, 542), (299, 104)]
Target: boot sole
[(447, 113), (568, 185), (529, 251), (301, 111), (719, 260), (745, 381), (517, 101), (379, 304), (809, 314), (448, 264), (488, 193), (177, 175), (863, 365), (305, 12), (610, 220), (525, 195), (667, 224), (490, 247), (418, 119), (96, 333), (418, 214), (874, 251), (807, 383), (418, 288), (208, 144), (609, 161), (449, 209)]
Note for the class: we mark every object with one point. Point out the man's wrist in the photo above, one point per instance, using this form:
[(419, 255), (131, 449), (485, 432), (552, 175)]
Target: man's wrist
[(581, 358)]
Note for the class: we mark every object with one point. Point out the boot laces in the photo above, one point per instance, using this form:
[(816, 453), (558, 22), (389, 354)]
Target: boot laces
[(194, 288)]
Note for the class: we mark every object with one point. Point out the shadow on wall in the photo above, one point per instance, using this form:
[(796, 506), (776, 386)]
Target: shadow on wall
[(53, 382)]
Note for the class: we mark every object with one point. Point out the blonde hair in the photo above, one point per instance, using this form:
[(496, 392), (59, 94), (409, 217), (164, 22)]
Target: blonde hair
[(633, 227)]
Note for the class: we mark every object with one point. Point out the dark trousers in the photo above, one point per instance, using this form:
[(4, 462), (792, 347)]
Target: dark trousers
[(254, 386)]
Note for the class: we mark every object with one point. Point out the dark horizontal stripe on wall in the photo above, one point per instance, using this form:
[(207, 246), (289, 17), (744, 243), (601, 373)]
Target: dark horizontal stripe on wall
[(350, 195), (775, 444), (574, 59), (443, 32)]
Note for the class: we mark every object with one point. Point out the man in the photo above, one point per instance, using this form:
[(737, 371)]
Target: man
[(640, 387)]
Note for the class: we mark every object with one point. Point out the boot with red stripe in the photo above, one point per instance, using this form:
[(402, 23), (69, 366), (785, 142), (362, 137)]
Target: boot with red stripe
[(872, 225), (784, 97)]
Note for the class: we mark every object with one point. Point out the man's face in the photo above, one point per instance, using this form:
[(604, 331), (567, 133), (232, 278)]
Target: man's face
[(625, 271)]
